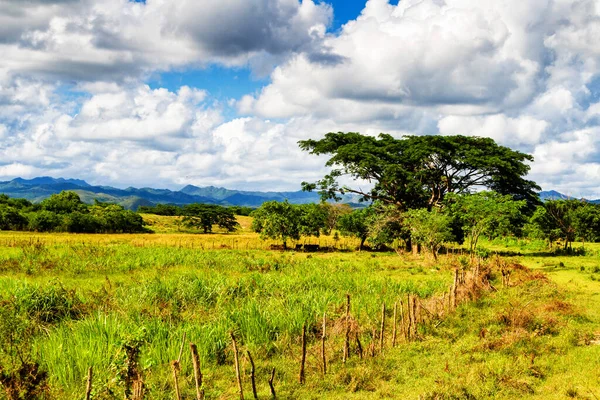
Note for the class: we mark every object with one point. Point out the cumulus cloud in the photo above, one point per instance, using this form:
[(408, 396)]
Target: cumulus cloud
[(93, 40), (419, 53), (524, 73)]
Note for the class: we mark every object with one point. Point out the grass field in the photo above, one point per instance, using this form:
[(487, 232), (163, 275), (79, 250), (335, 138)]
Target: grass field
[(69, 302)]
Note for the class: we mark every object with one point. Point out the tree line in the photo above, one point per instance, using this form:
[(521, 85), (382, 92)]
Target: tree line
[(179, 211), (427, 190), (65, 212)]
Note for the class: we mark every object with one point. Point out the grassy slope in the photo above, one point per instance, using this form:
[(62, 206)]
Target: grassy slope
[(534, 339)]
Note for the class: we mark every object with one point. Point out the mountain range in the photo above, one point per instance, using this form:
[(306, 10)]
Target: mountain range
[(37, 189)]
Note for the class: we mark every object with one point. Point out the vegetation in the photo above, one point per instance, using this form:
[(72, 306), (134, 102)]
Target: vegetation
[(70, 302), (65, 212), (204, 216), (418, 171), (175, 210), (464, 323)]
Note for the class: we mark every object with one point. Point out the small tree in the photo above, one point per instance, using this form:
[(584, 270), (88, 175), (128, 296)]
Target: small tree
[(566, 219), (313, 219), (334, 212), (587, 222), (204, 216), (429, 228), (356, 224), (64, 203), (484, 213), (44, 221), (11, 218), (278, 221)]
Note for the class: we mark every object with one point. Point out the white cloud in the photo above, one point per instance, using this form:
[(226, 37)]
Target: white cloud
[(137, 114), (524, 73), (90, 40), (417, 54), (512, 132)]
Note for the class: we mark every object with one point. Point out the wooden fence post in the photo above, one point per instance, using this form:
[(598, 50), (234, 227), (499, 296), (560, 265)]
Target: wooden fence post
[(271, 384), (347, 339), (237, 366), (301, 377), (395, 325), (323, 338), (88, 390), (252, 375), (175, 367), (382, 330), (197, 372)]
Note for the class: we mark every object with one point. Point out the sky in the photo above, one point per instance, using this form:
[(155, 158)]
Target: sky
[(165, 93)]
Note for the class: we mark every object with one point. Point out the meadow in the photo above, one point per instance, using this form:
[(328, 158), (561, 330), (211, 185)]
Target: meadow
[(70, 302)]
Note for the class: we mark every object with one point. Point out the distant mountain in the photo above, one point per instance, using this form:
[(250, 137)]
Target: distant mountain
[(553, 195), (46, 180), (37, 189)]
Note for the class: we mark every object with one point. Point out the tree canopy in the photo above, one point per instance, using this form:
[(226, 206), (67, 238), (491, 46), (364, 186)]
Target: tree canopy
[(279, 221), (484, 213), (418, 171), (204, 216)]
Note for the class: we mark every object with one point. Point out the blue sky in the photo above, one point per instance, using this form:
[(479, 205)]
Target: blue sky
[(218, 92)]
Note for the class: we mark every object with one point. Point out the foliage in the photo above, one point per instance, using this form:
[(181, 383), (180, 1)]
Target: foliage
[(429, 228), (66, 202), (334, 212), (277, 220), (418, 171), (566, 219), (113, 218), (313, 219), (204, 216), (161, 209), (44, 221), (11, 218), (356, 224), (175, 210), (488, 213)]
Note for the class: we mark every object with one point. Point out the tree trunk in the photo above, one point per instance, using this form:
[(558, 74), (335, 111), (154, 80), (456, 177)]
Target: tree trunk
[(416, 249), (362, 243)]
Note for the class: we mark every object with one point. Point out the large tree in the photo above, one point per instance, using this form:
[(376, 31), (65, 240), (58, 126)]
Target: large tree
[(418, 171)]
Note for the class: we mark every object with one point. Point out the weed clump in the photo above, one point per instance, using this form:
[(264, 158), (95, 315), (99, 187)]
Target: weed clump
[(48, 304)]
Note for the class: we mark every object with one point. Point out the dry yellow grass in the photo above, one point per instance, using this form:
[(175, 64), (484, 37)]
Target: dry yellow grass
[(168, 231)]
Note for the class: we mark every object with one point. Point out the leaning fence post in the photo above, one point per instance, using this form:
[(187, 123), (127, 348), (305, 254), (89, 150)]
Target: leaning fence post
[(88, 390), (323, 338), (271, 384), (237, 366), (382, 330), (301, 377), (395, 324), (252, 375), (197, 372), (347, 339)]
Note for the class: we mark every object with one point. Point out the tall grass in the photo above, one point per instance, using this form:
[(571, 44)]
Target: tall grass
[(89, 299), (71, 302)]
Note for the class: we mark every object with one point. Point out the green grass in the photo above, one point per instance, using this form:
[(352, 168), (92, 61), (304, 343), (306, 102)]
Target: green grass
[(70, 302)]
